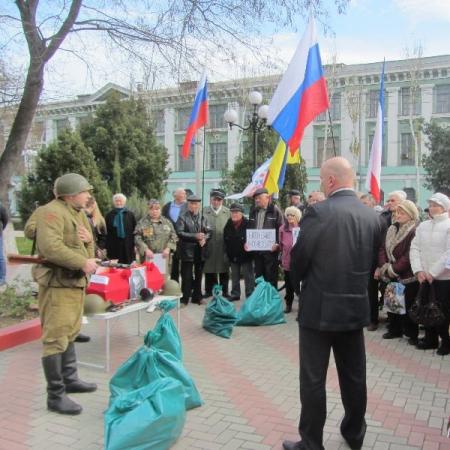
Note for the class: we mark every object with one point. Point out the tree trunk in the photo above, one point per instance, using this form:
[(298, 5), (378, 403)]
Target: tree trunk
[(10, 158)]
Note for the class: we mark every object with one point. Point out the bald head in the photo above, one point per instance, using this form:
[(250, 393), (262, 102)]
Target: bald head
[(336, 173)]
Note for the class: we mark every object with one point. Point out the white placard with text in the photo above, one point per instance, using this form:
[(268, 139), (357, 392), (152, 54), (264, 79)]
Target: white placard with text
[(295, 233), (261, 240)]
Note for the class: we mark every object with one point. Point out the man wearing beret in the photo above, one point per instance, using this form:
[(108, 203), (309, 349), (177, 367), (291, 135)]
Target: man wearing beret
[(194, 233), (216, 265), (265, 215)]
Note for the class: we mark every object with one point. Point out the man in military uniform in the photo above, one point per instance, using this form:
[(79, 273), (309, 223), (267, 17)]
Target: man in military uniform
[(64, 241), (155, 234), (216, 264)]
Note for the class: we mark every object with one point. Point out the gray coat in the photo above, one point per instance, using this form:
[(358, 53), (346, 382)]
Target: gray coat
[(217, 260)]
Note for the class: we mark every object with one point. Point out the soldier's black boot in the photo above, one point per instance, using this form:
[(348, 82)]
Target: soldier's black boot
[(57, 400), (70, 373)]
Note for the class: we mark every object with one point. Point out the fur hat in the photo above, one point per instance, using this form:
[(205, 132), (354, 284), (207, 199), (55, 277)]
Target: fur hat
[(294, 211), (441, 200), (410, 208)]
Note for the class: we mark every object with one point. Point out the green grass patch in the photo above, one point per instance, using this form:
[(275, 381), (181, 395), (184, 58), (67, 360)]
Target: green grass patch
[(24, 245)]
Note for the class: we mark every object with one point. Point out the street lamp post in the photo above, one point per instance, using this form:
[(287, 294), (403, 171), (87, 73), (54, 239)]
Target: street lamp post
[(257, 121)]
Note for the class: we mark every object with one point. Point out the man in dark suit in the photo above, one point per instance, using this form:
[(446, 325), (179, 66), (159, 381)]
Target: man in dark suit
[(333, 258)]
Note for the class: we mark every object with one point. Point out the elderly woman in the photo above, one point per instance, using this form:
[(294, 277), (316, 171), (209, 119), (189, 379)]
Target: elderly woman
[(98, 227), (155, 234), (120, 225), (286, 232), (429, 254), (394, 265)]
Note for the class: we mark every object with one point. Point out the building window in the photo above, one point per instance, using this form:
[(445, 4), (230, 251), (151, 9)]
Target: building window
[(61, 125), (218, 156), (186, 165), (83, 120), (410, 194), (384, 150), (406, 149), (335, 109), (329, 153), (216, 113), (442, 98), (158, 121), (183, 116), (372, 103), (405, 102)]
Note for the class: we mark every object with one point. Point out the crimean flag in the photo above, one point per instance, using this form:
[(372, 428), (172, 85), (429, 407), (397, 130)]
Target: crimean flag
[(302, 92), (277, 169), (199, 115), (373, 180)]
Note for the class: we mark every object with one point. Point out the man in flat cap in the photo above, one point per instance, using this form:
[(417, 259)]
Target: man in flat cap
[(265, 215), (216, 265), (194, 233), (295, 199), (241, 261)]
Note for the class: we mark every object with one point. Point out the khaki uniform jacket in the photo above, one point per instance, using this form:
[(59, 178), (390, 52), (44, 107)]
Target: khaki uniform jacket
[(58, 242), (217, 260), (155, 236)]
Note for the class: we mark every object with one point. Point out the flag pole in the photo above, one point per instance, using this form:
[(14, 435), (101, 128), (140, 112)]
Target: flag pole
[(332, 134), (203, 165)]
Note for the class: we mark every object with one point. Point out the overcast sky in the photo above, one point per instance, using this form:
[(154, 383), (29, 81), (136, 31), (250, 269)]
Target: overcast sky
[(370, 31)]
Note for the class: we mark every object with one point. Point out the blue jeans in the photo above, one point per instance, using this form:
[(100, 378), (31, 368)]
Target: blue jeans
[(2, 263)]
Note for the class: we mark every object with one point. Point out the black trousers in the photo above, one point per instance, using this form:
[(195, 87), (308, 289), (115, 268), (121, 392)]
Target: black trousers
[(266, 265), (350, 356), (213, 278), (175, 272), (290, 286), (191, 283)]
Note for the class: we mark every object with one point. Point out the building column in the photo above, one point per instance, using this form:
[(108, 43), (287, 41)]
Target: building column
[(169, 137), (233, 138), (393, 140)]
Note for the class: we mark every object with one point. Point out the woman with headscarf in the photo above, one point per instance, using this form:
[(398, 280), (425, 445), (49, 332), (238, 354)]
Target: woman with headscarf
[(430, 251), (98, 227), (120, 225), (394, 266)]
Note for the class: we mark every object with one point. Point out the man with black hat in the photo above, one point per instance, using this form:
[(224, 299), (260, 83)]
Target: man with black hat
[(241, 261), (295, 199), (216, 265), (266, 215), (194, 233)]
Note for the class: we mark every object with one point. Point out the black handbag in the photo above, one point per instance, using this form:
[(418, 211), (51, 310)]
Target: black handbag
[(426, 309)]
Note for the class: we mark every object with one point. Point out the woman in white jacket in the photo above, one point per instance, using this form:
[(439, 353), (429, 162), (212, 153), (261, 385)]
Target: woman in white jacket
[(429, 256)]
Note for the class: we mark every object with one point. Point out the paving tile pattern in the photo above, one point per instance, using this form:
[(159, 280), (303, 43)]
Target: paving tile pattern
[(250, 387)]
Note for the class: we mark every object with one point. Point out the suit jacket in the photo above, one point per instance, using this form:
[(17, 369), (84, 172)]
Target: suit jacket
[(333, 258)]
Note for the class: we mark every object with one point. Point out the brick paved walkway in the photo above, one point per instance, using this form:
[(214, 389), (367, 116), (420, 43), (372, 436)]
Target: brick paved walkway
[(250, 387)]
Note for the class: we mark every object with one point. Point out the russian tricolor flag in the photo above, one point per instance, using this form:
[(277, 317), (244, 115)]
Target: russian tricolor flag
[(373, 180), (199, 115), (302, 92)]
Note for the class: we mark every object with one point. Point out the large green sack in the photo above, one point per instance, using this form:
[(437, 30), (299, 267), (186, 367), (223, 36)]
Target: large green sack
[(165, 335), (149, 418), (220, 315), (149, 364), (263, 307)]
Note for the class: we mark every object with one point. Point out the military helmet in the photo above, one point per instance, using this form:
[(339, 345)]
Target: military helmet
[(94, 304), (71, 184), (171, 287)]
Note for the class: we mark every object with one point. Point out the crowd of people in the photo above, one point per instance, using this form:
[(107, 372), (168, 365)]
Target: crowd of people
[(340, 254)]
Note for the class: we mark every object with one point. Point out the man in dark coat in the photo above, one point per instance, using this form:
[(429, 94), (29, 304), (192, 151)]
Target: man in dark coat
[(265, 215), (193, 233), (235, 237), (172, 210), (120, 225), (333, 258)]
